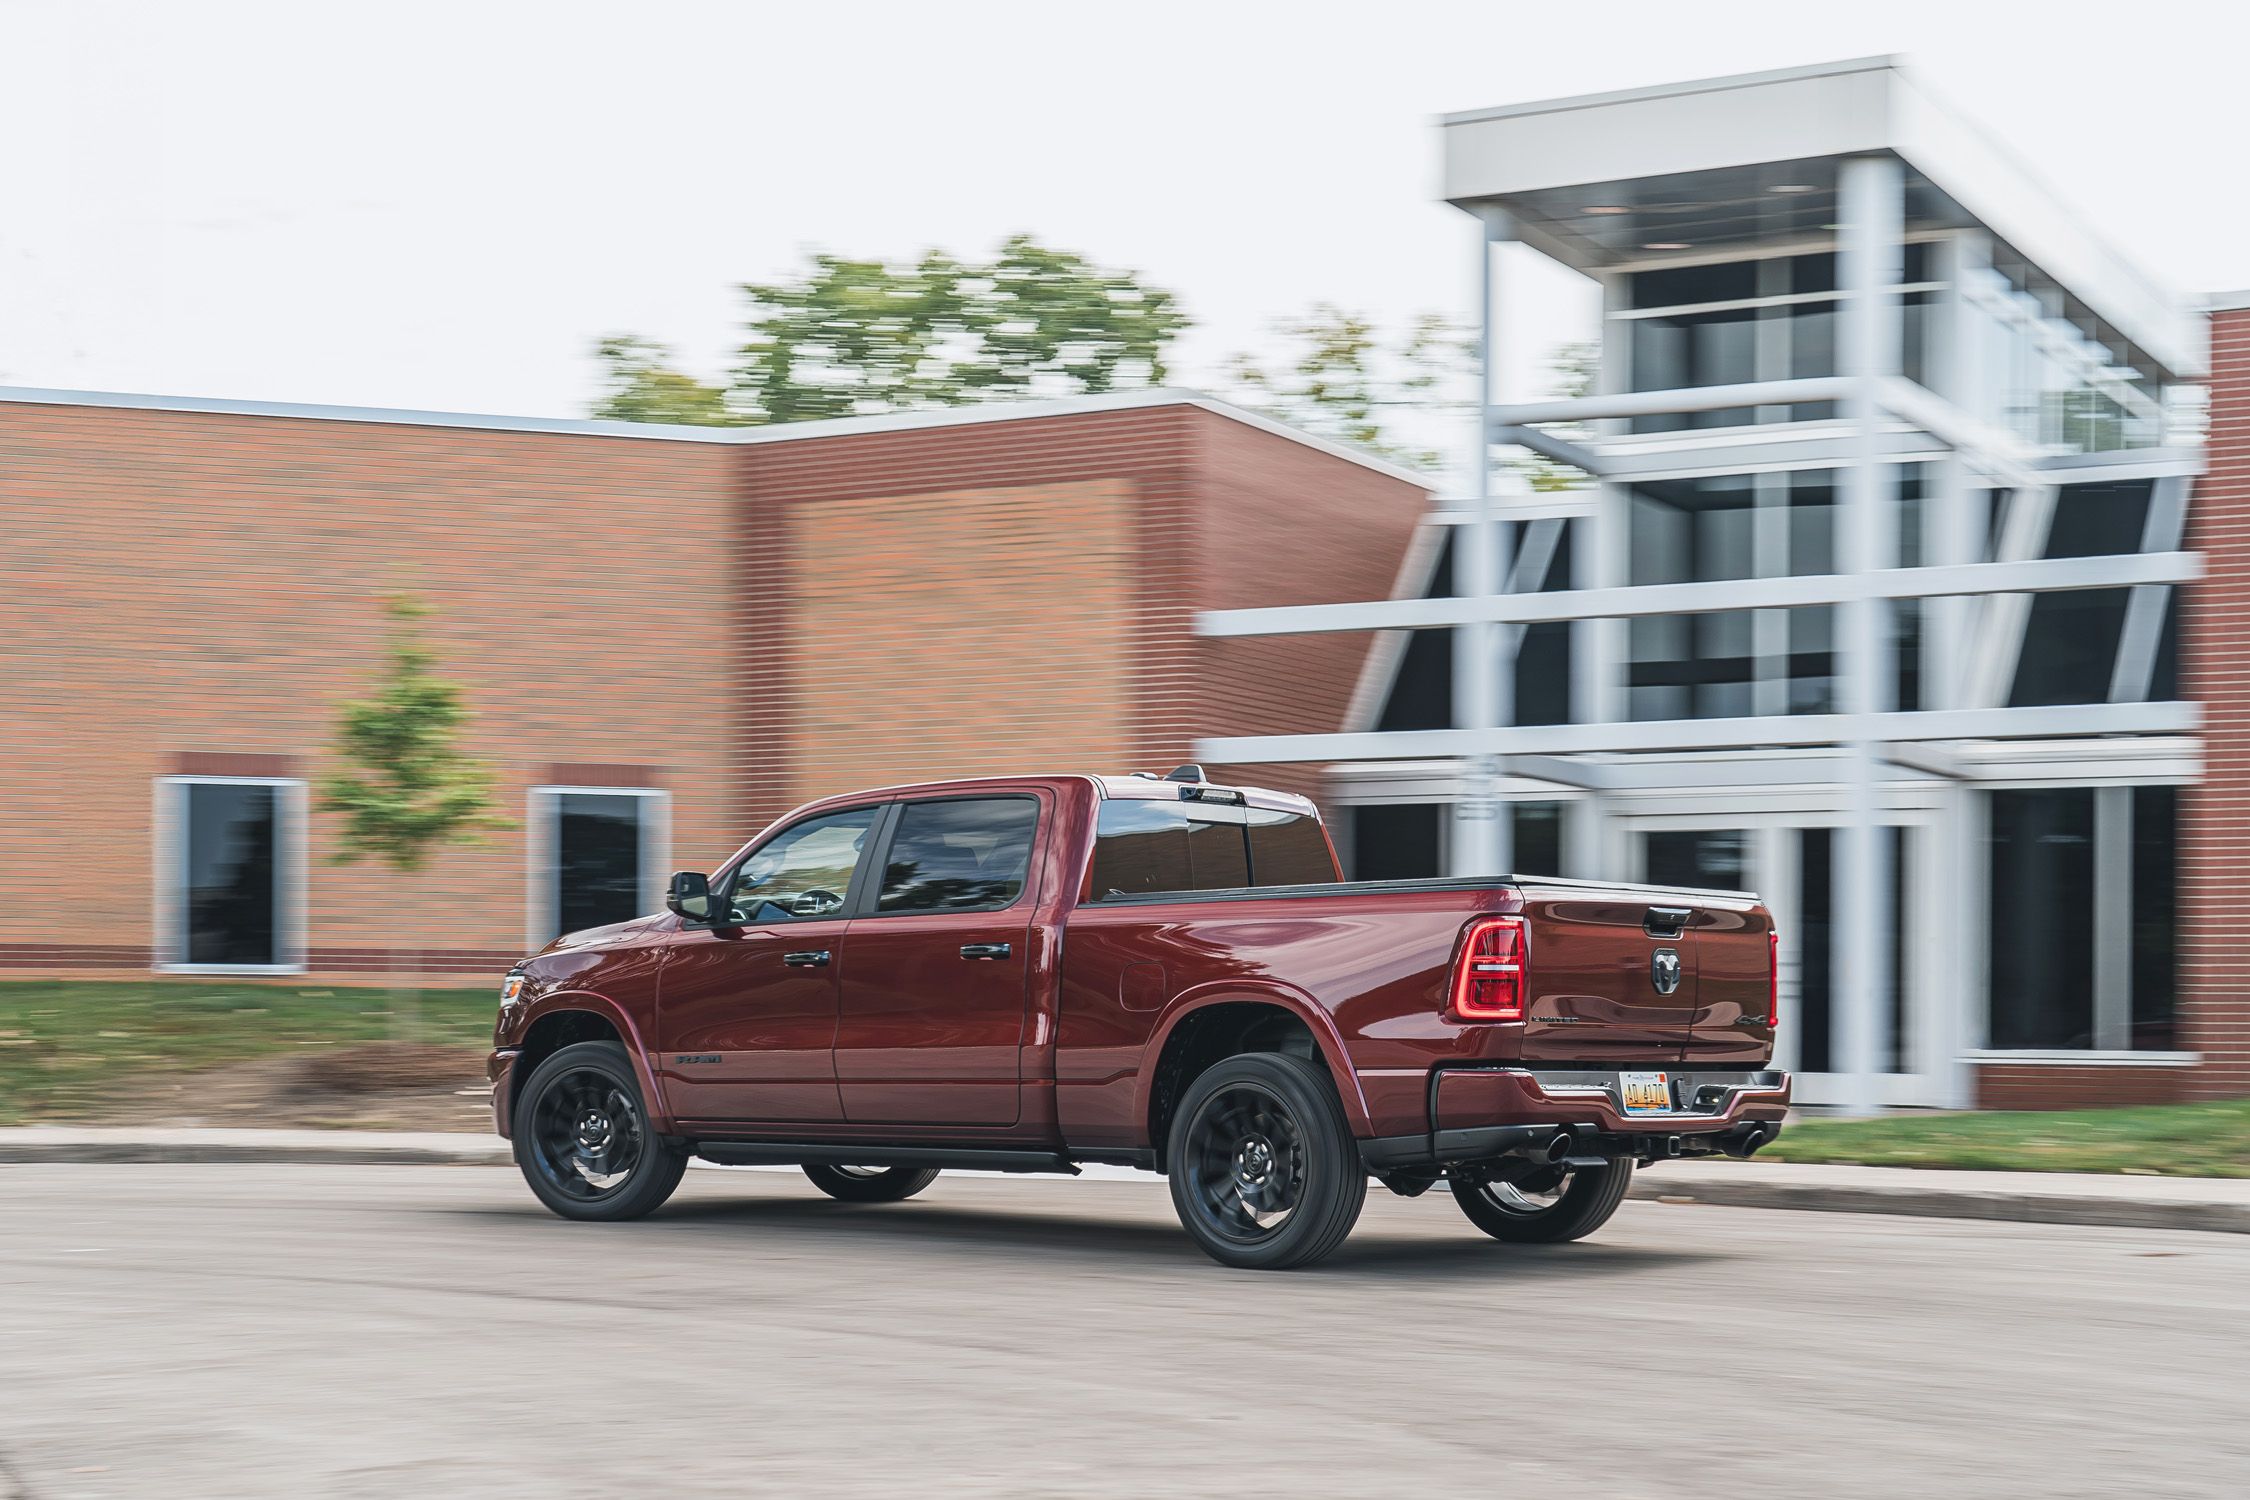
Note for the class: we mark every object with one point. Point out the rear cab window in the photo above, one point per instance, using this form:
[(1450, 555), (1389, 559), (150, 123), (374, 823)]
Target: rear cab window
[(1143, 846)]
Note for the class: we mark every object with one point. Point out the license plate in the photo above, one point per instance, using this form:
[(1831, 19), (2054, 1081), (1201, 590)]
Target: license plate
[(1645, 1093)]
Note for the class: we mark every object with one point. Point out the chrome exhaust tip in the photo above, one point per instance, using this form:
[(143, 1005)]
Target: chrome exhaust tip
[(1559, 1147)]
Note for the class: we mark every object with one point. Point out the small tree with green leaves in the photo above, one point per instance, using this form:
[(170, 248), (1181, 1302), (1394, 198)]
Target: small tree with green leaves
[(405, 788)]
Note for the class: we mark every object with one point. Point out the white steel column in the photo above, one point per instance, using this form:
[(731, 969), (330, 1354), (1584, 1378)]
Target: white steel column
[(1871, 214), (1483, 666)]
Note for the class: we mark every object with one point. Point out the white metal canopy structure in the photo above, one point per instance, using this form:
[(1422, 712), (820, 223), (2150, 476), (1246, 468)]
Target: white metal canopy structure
[(1865, 595)]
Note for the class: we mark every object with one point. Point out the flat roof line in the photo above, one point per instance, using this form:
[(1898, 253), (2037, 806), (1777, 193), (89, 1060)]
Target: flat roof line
[(780, 432), (1717, 85)]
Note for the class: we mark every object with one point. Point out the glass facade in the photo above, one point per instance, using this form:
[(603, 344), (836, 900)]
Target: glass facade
[(230, 879)]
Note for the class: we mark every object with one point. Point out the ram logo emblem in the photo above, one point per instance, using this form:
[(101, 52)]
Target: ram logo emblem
[(1664, 970)]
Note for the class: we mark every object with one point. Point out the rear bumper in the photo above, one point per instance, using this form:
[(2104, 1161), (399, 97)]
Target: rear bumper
[(1478, 1114)]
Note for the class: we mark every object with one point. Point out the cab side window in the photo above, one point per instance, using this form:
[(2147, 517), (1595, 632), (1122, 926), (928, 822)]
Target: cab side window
[(803, 872), (1288, 849), (1145, 845), (960, 854)]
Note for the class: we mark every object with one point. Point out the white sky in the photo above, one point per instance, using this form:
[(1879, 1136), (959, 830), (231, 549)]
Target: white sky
[(444, 206)]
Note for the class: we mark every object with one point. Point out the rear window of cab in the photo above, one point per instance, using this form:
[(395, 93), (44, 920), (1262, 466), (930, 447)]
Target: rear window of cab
[(1143, 846)]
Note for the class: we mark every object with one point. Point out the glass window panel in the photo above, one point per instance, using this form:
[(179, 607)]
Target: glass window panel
[(597, 859), (2069, 647), (1716, 859), (2099, 520), (232, 893), (1397, 842), (1287, 849), (1812, 659), (967, 854), (1143, 845), (1816, 869), (1677, 286), (1536, 830), (803, 872), (2041, 918), (2155, 963)]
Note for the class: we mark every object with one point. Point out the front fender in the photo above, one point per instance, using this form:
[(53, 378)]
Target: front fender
[(1240, 992), (556, 1002)]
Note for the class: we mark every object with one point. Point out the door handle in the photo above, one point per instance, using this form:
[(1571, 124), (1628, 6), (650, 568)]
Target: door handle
[(808, 958), (986, 950)]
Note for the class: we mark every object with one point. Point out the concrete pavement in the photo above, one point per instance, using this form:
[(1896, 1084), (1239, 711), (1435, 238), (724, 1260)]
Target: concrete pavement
[(2219, 1204), (252, 1331)]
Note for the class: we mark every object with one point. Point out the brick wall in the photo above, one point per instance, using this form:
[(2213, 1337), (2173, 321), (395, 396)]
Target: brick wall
[(745, 625), (183, 584), (1024, 657), (1280, 523), (2052, 1086), (2215, 657)]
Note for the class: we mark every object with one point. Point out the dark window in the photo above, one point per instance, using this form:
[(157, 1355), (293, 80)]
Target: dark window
[(1816, 854), (1142, 846), (1288, 849), (804, 871), (959, 855), (232, 887), (597, 859), (1715, 859), (2042, 918), (1685, 350), (2156, 811), (2099, 520), (1397, 842), (2069, 647), (1679, 286), (1536, 831)]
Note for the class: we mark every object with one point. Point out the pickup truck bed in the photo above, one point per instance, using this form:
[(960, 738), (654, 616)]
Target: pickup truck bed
[(1029, 972)]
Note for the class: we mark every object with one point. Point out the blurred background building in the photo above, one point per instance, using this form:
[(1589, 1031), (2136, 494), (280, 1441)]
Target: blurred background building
[(1856, 578), (667, 636), (1869, 601)]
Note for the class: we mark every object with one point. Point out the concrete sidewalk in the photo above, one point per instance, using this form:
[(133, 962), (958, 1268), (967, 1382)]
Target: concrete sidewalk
[(2206, 1203)]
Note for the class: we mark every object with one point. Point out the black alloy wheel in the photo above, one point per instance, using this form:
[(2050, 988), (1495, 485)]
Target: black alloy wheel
[(871, 1184), (583, 1140), (1263, 1168), (1551, 1205)]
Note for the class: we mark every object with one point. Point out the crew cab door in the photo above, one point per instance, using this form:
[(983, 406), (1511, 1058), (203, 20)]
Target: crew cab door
[(747, 1005), (936, 996)]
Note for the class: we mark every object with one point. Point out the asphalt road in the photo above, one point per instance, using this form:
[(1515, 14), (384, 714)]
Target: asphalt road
[(249, 1331)]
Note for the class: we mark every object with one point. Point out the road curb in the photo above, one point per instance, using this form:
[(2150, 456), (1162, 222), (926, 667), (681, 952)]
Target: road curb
[(23, 1148), (1941, 1202), (2028, 1198)]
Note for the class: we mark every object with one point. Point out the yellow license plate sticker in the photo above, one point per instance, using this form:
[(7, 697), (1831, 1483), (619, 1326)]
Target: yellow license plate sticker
[(1645, 1093)]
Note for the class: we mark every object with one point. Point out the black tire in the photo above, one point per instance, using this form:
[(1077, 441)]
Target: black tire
[(1573, 1208), (583, 1140), (871, 1184), (1264, 1171)]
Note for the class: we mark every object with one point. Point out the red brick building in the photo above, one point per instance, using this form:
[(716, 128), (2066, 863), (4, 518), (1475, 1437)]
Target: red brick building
[(667, 637)]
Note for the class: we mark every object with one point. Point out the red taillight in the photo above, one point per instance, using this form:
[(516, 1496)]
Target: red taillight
[(1773, 977), (1488, 985)]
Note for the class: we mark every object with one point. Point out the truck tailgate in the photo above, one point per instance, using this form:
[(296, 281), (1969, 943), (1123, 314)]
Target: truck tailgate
[(1643, 974)]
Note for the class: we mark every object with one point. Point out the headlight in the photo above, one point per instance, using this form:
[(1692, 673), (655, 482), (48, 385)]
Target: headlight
[(510, 989)]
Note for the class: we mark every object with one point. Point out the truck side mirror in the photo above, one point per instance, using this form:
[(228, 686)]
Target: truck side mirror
[(690, 895)]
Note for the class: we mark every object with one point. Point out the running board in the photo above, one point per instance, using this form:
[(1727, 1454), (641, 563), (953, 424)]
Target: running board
[(955, 1158)]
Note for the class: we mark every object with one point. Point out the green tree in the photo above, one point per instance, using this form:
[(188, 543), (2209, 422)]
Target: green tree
[(405, 788), (639, 385), (862, 337), (1340, 377)]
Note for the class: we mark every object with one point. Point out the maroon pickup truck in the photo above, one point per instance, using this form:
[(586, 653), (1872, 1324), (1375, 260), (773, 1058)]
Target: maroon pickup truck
[(1028, 973)]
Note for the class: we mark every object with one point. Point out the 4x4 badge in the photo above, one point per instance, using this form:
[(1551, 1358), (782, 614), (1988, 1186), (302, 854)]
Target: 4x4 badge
[(1664, 970)]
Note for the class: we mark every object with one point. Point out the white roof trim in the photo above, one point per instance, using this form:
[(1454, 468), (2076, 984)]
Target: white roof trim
[(1673, 90), (780, 432), (2234, 301)]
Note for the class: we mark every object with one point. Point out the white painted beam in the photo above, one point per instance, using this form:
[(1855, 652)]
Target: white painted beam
[(1711, 734), (2032, 576)]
